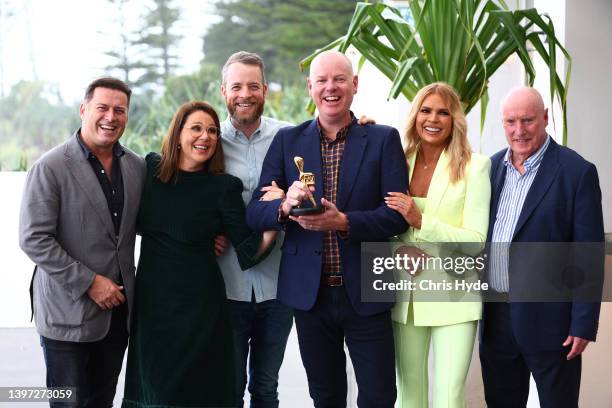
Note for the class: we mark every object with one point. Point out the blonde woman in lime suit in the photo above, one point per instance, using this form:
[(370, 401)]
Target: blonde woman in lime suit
[(447, 201)]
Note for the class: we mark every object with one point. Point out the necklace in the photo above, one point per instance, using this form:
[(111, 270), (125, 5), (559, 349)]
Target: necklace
[(426, 165), (436, 156)]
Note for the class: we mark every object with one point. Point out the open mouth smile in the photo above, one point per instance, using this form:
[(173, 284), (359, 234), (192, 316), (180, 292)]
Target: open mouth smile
[(331, 98), (203, 148)]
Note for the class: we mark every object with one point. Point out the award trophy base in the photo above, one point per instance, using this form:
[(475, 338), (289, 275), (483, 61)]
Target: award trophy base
[(306, 211)]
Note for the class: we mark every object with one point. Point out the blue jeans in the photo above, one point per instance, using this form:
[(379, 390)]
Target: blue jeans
[(264, 327), (92, 368)]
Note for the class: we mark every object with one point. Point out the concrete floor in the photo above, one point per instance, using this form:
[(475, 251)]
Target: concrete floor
[(22, 364)]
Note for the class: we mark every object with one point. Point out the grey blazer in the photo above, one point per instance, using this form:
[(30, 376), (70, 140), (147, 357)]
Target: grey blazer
[(66, 229)]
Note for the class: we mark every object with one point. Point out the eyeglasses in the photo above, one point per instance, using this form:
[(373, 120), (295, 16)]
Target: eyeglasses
[(198, 130)]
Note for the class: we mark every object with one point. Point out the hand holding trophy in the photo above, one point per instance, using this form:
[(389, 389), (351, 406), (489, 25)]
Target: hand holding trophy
[(308, 179)]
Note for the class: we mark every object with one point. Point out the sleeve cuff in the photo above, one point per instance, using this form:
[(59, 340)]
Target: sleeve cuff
[(426, 228), (345, 234), (80, 286), (282, 220)]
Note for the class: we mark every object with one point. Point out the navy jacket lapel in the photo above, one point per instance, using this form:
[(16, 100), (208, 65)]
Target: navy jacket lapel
[(353, 154), (498, 177), (547, 172)]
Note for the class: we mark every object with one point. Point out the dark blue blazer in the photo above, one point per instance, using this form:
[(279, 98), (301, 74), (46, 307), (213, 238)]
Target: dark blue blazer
[(373, 164), (562, 205)]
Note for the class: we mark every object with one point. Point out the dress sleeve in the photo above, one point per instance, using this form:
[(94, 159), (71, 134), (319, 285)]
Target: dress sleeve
[(245, 241), (152, 160)]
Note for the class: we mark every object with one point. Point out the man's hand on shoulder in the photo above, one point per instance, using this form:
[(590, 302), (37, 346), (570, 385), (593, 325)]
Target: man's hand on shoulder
[(366, 120), (106, 293)]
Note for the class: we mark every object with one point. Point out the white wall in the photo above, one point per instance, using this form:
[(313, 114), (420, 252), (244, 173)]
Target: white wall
[(588, 36), (16, 269)]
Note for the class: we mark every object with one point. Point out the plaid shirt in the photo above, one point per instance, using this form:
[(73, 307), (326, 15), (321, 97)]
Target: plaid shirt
[(331, 155)]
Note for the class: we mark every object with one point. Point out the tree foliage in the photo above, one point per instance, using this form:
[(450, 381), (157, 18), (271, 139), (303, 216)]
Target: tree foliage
[(150, 118), (33, 119), (158, 37), (125, 60), (281, 31)]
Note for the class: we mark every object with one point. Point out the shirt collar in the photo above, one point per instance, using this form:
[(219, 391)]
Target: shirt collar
[(532, 161), (341, 134), (238, 134), (118, 150)]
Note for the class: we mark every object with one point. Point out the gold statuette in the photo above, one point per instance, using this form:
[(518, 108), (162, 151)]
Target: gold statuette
[(306, 178)]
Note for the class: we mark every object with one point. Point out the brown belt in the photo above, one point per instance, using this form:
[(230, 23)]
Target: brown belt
[(332, 280)]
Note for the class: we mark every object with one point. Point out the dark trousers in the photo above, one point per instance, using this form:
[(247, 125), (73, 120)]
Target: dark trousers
[(91, 368), (322, 332), (260, 333), (506, 367)]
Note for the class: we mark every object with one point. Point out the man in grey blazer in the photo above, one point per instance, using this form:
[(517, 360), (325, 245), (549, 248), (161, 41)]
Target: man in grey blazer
[(77, 224)]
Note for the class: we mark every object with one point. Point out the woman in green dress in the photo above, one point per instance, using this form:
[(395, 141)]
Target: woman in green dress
[(181, 352)]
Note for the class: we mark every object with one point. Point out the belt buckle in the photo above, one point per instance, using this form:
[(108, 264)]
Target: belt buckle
[(335, 278)]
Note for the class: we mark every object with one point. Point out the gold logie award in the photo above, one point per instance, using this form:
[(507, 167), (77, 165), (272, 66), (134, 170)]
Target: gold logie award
[(306, 178)]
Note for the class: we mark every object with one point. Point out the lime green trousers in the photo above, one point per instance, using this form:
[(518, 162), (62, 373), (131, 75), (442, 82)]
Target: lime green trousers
[(452, 352)]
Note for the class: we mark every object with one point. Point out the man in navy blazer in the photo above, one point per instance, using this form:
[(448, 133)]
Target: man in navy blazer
[(542, 192), (354, 168)]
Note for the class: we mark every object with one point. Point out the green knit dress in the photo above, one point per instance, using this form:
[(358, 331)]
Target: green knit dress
[(181, 350)]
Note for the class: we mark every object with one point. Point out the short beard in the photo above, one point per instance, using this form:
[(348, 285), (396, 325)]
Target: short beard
[(245, 120)]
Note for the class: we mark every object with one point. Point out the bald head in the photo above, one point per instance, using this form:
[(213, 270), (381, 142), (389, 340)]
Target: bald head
[(332, 57), (525, 96), (525, 119), (332, 85)]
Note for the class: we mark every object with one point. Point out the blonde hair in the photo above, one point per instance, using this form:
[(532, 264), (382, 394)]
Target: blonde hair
[(458, 147)]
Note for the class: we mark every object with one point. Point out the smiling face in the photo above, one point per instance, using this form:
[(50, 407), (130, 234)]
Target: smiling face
[(244, 93), (103, 119), (524, 119), (434, 122), (331, 86), (198, 141)]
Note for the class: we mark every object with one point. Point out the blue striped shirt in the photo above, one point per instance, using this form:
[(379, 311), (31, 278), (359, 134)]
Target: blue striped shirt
[(511, 200)]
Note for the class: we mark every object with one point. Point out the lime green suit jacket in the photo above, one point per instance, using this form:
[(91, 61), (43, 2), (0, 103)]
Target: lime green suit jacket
[(454, 213)]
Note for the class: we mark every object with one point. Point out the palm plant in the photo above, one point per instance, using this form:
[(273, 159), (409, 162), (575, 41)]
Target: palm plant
[(461, 42)]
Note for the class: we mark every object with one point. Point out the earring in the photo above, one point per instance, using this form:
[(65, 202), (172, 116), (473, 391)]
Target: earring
[(178, 147)]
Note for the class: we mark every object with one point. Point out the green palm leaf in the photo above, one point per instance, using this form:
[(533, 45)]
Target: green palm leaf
[(461, 42)]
